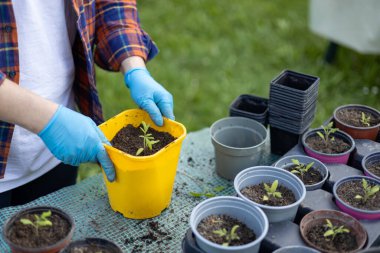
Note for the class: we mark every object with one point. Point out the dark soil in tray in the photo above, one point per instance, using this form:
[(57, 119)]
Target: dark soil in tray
[(26, 235), (348, 190), (374, 167), (342, 242), (337, 146), (353, 117), (209, 225), (128, 140), (256, 193), (312, 176)]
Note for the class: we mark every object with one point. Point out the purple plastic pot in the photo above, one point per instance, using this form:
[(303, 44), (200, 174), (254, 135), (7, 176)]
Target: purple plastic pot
[(329, 158), (354, 211), (368, 160)]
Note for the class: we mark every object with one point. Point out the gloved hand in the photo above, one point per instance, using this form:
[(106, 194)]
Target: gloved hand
[(149, 95), (74, 138)]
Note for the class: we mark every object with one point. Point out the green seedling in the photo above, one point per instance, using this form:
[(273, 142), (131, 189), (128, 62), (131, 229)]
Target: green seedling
[(39, 221), (333, 230), (228, 236), (149, 140), (365, 120), (327, 131), (208, 194), (271, 191), (369, 191), (202, 194), (301, 168)]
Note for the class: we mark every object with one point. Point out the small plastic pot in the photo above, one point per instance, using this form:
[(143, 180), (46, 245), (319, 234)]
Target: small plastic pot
[(354, 211), (368, 160), (100, 244), (315, 218), (287, 161), (46, 249), (253, 217), (259, 174), (329, 158), (358, 132), (296, 249), (238, 144), (250, 106), (281, 141)]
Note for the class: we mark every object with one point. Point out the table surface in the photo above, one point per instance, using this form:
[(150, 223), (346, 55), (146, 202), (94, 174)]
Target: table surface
[(88, 204)]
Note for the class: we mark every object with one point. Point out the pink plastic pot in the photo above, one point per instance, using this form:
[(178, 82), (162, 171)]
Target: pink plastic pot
[(354, 211), (329, 158)]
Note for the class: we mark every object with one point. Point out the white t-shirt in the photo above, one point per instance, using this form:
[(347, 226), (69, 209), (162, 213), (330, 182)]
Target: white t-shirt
[(45, 35)]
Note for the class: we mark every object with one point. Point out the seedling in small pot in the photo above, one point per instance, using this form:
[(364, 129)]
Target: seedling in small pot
[(369, 191), (327, 131), (271, 191), (228, 236), (149, 140), (365, 120), (301, 168), (40, 221), (333, 230)]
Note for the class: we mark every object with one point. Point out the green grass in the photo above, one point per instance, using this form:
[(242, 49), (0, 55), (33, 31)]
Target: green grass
[(211, 51)]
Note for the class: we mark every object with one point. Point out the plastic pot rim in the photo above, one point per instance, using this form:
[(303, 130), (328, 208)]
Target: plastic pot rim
[(354, 178), (93, 240), (314, 131), (256, 168), (26, 210), (233, 199), (258, 124), (358, 106), (364, 166), (322, 166)]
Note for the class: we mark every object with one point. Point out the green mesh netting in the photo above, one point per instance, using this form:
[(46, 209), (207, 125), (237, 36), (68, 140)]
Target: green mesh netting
[(87, 202)]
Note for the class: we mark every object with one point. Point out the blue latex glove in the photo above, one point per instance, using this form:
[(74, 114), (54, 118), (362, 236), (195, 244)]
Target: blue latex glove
[(149, 95), (74, 138)]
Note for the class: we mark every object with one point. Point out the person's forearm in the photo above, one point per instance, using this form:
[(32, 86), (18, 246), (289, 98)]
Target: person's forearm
[(24, 108), (132, 62)]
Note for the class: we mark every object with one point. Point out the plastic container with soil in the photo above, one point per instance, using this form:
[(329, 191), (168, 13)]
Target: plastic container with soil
[(289, 186), (337, 150), (49, 234), (371, 165), (349, 238), (359, 121), (357, 196), (250, 216), (317, 173), (144, 184)]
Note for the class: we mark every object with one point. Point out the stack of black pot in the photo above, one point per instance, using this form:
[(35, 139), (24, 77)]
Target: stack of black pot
[(292, 106)]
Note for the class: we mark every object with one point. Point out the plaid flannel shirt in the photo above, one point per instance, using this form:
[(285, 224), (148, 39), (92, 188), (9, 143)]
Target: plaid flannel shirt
[(108, 31)]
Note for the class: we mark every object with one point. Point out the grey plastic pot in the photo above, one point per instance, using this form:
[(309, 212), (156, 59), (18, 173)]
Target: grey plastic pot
[(238, 144), (253, 217), (287, 161), (367, 161), (259, 174), (296, 249)]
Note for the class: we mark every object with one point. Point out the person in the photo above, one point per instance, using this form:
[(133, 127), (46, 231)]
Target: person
[(47, 55)]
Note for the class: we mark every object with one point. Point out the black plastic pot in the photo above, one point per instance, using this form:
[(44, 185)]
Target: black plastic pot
[(367, 161), (250, 106), (281, 141), (101, 243)]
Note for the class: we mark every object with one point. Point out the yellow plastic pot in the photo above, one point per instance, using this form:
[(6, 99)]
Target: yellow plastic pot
[(143, 184)]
